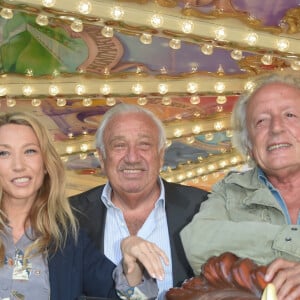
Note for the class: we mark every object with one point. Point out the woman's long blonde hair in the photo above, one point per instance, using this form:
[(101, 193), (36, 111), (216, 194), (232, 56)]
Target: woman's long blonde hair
[(50, 216)]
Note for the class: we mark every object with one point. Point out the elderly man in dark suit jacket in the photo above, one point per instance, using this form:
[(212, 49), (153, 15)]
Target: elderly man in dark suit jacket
[(136, 207)]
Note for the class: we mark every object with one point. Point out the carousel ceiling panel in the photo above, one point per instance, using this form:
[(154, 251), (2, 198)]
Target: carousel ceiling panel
[(69, 61)]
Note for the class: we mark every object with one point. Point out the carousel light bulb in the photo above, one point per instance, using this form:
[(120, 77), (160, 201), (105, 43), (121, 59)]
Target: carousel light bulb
[(251, 38), (142, 101), (195, 99), (84, 7), (196, 129), (83, 156), (220, 33), (175, 44), (3, 91), (6, 13), (200, 171), (267, 59), (61, 102), (110, 101), (229, 133), (219, 87), (236, 54), (190, 139), (295, 65), (249, 86), (42, 20), (69, 150), (166, 100), (107, 31), (36, 102), (137, 88), (221, 99), (177, 132), (207, 49), (11, 102), (209, 136), (146, 38), (84, 147), (77, 26), (192, 87), (219, 125), (105, 89), (80, 89), (283, 45), (27, 90), (163, 88), (48, 3), (157, 21), (53, 90), (187, 26), (87, 102), (117, 13)]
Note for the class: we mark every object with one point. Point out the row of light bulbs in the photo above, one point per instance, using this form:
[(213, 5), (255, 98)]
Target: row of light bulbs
[(106, 89)]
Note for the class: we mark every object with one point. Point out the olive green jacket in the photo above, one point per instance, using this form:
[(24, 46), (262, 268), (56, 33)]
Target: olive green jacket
[(241, 216)]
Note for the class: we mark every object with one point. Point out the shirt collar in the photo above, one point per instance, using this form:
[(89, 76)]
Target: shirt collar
[(106, 194)]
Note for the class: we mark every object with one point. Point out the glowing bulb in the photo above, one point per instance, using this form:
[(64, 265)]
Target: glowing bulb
[(178, 132), (142, 101), (219, 87), (48, 3), (209, 136), (36, 102), (84, 147), (146, 38), (252, 38), (137, 88), (267, 59), (218, 125), (162, 88), (249, 86), (117, 13), (221, 99), (107, 31), (220, 33), (6, 13), (195, 99), (175, 44), (295, 65), (87, 102), (61, 102), (110, 101), (187, 26), (157, 21), (105, 89), (3, 90), (84, 7), (236, 54), (283, 45), (80, 89), (166, 100), (77, 26), (42, 20), (192, 87), (11, 102), (27, 90), (207, 49), (196, 129), (69, 149), (53, 90)]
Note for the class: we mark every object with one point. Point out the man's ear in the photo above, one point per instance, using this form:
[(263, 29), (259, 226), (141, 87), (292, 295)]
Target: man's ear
[(101, 159)]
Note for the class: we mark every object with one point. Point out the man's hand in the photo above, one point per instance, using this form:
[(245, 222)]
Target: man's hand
[(139, 254), (285, 275)]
